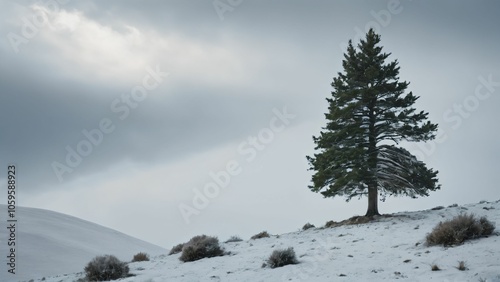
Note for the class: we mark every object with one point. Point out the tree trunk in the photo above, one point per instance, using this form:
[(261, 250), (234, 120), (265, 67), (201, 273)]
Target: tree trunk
[(372, 162), (372, 201)]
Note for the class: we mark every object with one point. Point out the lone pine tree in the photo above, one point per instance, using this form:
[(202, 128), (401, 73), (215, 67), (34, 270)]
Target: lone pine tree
[(369, 114)]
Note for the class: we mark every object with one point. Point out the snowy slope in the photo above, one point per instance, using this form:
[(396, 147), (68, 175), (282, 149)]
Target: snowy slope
[(388, 249), (51, 243)]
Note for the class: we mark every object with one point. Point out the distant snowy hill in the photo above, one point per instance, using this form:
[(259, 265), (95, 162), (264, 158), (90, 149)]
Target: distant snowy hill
[(51, 243), (389, 248)]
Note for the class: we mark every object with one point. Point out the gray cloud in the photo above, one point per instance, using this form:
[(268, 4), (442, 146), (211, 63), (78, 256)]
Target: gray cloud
[(225, 78)]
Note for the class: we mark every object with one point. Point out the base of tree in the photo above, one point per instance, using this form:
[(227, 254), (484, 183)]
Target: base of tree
[(372, 213)]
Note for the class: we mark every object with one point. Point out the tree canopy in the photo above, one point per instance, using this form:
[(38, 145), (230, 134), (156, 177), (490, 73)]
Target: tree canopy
[(369, 114)]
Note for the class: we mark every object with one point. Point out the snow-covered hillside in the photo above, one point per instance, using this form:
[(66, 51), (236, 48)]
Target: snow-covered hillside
[(51, 243), (390, 248)]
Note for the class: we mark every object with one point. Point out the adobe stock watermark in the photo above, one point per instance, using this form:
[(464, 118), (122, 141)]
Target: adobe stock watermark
[(456, 115), (381, 19), (223, 6), (43, 11), (248, 149), (122, 108)]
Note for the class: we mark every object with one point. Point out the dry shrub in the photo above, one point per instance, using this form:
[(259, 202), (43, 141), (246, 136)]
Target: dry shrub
[(307, 226), (331, 223), (140, 257), (234, 239), (260, 235), (281, 258), (462, 266), (201, 247), (176, 249), (435, 267), (487, 226), (460, 228), (105, 268)]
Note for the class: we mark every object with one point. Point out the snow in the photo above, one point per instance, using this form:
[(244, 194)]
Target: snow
[(51, 243), (389, 248)]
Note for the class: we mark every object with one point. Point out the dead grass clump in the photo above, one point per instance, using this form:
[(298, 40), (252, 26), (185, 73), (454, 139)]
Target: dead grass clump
[(176, 249), (105, 268), (201, 247), (260, 235), (307, 226), (459, 229), (234, 239), (140, 257), (435, 267), (462, 266), (281, 258), (331, 223), (351, 221)]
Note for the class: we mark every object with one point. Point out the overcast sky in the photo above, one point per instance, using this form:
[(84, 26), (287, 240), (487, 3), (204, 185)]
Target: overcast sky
[(118, 112)]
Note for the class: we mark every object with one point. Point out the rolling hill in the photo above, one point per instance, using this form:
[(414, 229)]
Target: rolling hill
[(51, 243), (391, 247)]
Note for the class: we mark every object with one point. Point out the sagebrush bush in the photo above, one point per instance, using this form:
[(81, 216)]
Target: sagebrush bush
[(140, 257), (176, 249), (487, 226), (234, 239), (281, 258), (307, 226), (435, 267), (331, 223), (201, 247), (462, 266), (260, 235), (460, 228), (105, 268)]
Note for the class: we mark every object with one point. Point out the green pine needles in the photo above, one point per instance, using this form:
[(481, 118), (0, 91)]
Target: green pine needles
[(369, 115)]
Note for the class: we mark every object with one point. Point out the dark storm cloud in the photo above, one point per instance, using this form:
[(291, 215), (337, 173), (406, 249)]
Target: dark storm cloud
[(44, 112), (43, 115), (43, 109)]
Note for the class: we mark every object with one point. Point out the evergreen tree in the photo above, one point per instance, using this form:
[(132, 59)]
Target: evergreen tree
[(369, 114)]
